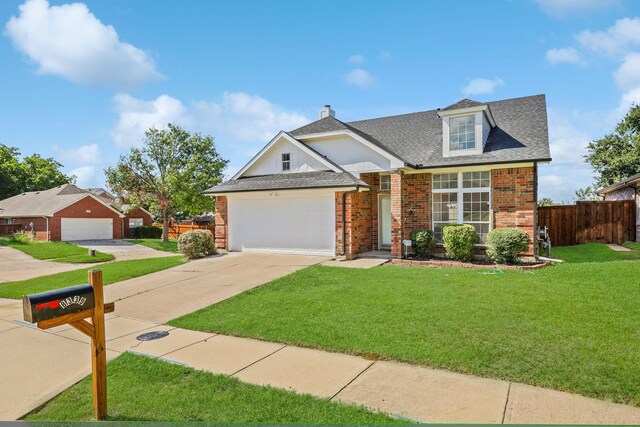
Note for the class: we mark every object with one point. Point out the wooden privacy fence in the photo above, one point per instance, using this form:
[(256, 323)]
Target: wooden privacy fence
[(175, 230), (8, 229), (598, 221)]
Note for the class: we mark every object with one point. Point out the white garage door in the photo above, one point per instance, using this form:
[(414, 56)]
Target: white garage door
[(86, 229), (283, 222)]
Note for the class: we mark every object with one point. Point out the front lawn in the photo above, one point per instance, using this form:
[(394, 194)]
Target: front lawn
[(112, 272), (144, 389), (595, 252), (572, 326), (56, 251), (157, 244)]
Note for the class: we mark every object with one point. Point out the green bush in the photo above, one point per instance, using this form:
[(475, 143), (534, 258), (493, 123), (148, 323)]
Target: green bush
[(21, 237), (196, 244), (423, 242), (459, 241), (147, 232), (504, 245)]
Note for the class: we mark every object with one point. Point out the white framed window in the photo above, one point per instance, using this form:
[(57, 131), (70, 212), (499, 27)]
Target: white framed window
[(286, 161), (135, 222), (462, 133), (385, 182), (462, 198)]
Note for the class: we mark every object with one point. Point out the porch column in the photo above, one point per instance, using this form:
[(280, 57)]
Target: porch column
[(397, 222), (220, 222)]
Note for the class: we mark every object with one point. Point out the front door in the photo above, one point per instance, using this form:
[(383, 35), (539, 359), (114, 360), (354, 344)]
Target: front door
[(384, 220)]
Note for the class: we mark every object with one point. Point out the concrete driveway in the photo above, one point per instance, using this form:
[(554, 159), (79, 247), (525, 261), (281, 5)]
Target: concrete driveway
[(28, 354), (16, 265), (122, 250)]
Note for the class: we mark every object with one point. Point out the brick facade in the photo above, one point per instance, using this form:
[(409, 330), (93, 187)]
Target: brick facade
[(513, 199), (39, 226), (136, 213), (221, 223)]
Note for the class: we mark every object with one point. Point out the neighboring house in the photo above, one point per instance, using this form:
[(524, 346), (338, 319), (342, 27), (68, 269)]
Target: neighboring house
[(70, 213), (337, 188), (629, 189)]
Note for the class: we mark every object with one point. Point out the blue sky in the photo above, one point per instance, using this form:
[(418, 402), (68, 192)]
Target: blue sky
[(81, 81)]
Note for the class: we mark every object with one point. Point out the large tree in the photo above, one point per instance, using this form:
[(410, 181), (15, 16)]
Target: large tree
[(32, 173), (616, 156), (169, 173)]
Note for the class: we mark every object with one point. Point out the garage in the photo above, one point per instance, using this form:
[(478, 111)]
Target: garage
[(296, 222), (86, 229)]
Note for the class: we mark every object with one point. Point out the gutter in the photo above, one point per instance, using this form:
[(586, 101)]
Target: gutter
[(344, 218)]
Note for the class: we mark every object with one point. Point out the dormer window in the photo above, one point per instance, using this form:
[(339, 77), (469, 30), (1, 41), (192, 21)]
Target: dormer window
[(462, 133), (286, 162)]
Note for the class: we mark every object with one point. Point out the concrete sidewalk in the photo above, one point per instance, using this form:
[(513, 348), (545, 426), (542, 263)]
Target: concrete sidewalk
[(411, 392), (16, 265)]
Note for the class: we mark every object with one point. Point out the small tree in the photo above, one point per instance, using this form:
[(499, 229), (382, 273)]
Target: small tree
[(586, 193), (546, 201), (169, 173)]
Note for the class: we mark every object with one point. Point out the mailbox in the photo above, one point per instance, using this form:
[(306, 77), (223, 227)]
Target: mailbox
[(52, 304)]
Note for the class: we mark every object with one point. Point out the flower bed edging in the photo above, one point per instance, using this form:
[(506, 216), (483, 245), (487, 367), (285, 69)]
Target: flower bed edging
[(458, 264)]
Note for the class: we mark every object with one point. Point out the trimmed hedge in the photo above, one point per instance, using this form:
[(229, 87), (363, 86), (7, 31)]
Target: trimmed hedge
[(459, 241), (197, 244), (504, 245), (423, 242), (147, 232)]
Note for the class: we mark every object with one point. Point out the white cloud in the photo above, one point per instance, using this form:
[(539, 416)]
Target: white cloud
[(566, 55), (69, 41), (237, 116), (86, 176), (482, 86), (246, 117), (567, 143), (616, 41), (135, 116), (627, 76), (360, 77), (357, 59), (80, 155), (564, 8)]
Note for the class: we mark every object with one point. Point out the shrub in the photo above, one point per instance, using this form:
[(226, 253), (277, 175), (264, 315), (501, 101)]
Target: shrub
[(459, 240), (196, 244), (504, 245), (21, 237), (423, 242), (147, 232)]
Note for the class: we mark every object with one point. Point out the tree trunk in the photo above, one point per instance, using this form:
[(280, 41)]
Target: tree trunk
[(165, 227)]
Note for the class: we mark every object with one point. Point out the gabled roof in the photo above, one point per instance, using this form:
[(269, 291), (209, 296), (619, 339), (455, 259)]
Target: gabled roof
[(463, 103), (520, 134), (632, 181), (47, 202), (288, 181)]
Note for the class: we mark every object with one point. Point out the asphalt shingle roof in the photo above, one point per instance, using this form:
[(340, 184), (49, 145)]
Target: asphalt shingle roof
[(520, 134), (463, 103), (282, 181)]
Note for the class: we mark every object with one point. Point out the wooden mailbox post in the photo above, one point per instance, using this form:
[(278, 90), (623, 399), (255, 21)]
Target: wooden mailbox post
[(72, 306)]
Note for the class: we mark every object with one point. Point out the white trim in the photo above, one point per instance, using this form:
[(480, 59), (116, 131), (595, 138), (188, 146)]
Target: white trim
[(276, 190), (296, 143), (471, 168), (464, 111), (395, 162), (382, 195)]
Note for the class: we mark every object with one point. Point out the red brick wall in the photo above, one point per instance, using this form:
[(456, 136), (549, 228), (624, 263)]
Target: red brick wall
[(136, 213), (221, 222), (512, 198), (79, 210), (416, 202), (39, 225), (397, 221), (361, 219)]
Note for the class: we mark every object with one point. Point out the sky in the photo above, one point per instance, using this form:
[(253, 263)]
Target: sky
[(81, 81)]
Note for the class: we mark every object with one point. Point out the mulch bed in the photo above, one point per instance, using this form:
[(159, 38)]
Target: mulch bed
[(458, 264)]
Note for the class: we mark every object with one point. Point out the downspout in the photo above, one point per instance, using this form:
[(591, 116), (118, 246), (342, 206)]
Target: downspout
[(344, 218), (47, 218), (535, 209)]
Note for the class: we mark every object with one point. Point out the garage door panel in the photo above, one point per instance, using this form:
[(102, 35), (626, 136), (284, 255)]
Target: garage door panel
[(283, 224), (86, 228)]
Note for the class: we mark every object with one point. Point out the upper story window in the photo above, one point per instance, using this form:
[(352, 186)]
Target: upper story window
[(286, 161), (385, 182), (462, 133)]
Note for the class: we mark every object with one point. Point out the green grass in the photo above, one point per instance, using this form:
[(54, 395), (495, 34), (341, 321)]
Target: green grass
[(112, 272), (157, 244), (56, 251), (572, 326), (594, 252), (144, 389)]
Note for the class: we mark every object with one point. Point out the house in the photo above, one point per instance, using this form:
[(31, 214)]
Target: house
[(627, 189), (343, 188), (69, 213)]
